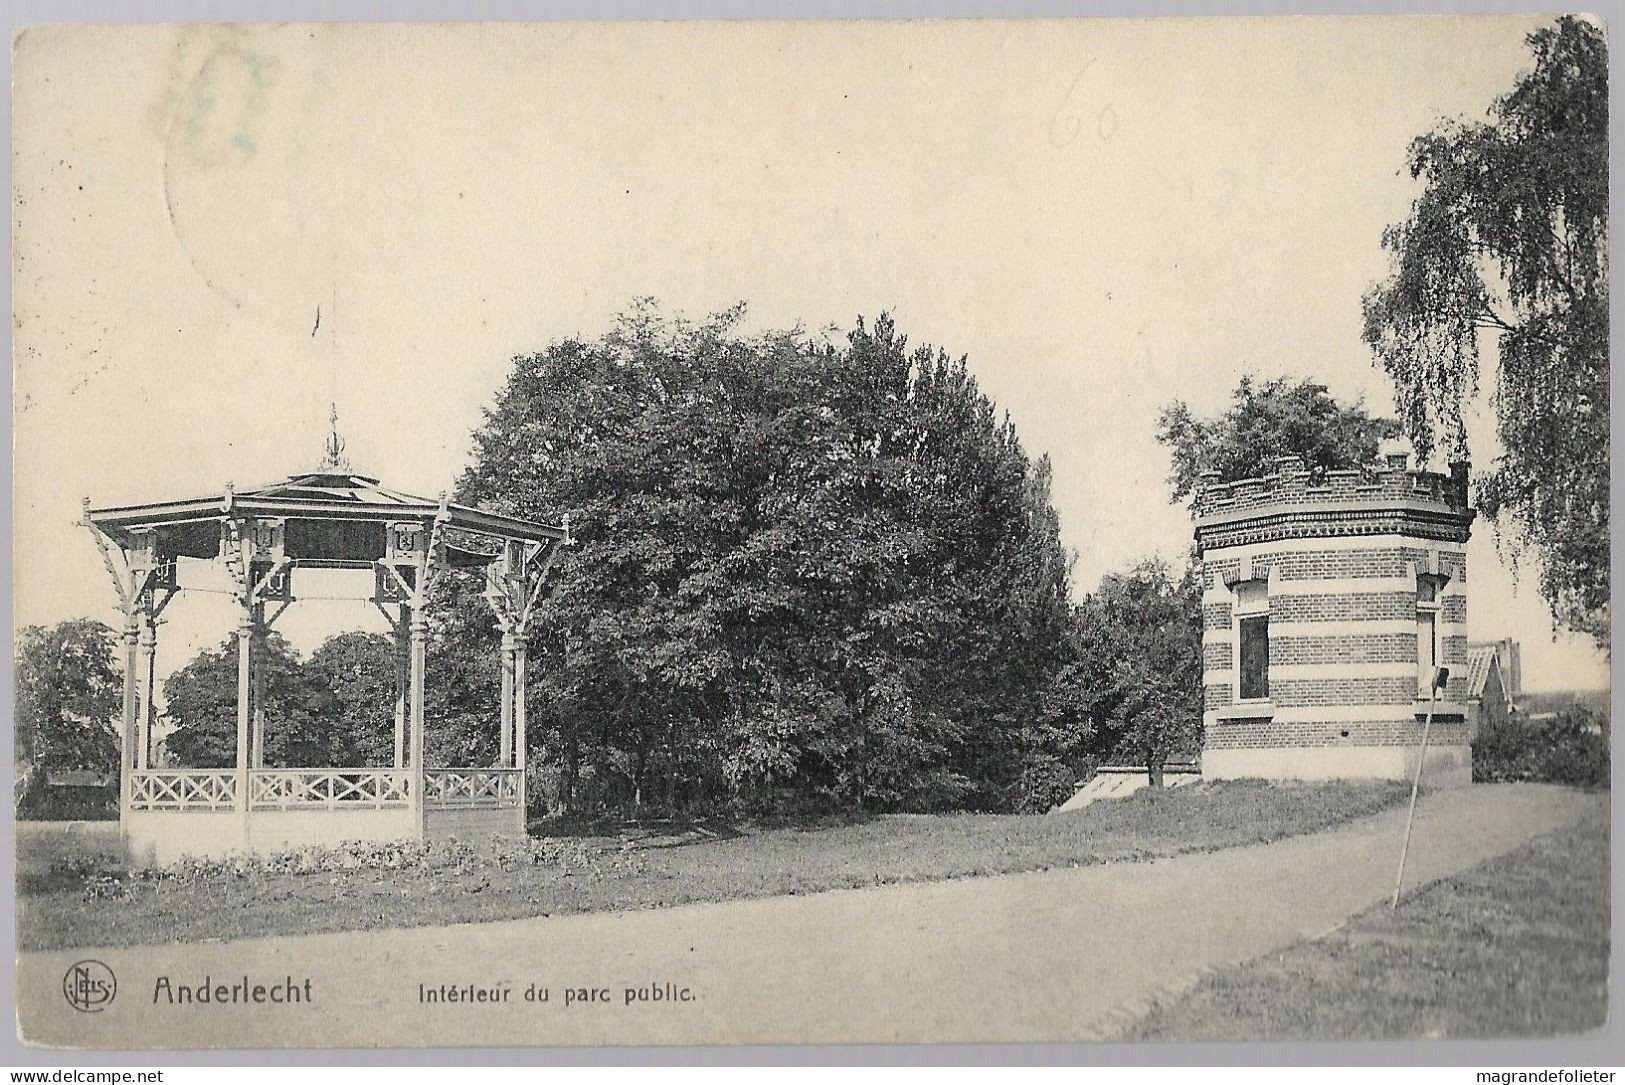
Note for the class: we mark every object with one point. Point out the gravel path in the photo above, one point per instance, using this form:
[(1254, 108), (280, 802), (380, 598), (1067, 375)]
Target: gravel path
[(1055, 956)]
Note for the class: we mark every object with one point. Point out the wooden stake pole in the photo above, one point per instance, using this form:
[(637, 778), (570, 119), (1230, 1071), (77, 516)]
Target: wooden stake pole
[(1440, 677)]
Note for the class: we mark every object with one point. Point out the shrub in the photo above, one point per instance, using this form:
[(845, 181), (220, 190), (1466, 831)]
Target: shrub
[(44, 802), (1046, 782), (105, 887), (78, 867), (1569, 748), (443, 856)]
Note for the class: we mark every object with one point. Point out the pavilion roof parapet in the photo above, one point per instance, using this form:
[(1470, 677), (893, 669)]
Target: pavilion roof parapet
[(1292, 484)]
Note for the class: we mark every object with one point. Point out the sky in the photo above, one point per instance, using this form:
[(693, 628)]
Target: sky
[(1104, 215)]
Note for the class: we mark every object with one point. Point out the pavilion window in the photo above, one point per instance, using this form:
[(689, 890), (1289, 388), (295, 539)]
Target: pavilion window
[(1428, 590), (1252, 640)]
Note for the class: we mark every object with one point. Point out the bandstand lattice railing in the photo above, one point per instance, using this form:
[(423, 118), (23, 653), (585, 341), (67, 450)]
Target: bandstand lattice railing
[(330, 518)]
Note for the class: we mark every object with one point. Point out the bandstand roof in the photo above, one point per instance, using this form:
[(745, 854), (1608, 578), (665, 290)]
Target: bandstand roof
[(334, 518)]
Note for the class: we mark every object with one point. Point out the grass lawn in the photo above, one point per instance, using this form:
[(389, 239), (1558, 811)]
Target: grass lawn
[(596, 874), (1517, 946)]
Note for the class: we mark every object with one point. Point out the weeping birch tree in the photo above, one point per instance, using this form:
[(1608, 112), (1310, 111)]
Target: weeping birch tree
[(1503, 259)]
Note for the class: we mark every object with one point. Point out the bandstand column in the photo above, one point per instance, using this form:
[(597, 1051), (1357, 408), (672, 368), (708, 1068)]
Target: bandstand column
[(257, 693), (403, 677), (509, 643), (420, 644), (147, 643), (245, 639), (519, 723), (519, 705), (132, 636)]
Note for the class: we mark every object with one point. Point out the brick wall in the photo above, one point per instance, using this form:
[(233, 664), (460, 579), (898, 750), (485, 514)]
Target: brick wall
[(1245, 734), (1355, 606), (1354, 648), (1379, 561), (1304, 692), (1453, 650)]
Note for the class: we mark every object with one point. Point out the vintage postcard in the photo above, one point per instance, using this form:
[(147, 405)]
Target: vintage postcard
[(962, 531)]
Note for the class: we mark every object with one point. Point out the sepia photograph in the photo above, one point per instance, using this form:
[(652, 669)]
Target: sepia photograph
[(811, 532)]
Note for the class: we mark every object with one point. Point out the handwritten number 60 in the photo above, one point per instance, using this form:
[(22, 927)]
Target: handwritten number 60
[(1067, 125)]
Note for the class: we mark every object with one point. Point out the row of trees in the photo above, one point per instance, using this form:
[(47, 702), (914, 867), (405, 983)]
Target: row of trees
[(825, 578), (806, 576), (335, 708), (68, 693)]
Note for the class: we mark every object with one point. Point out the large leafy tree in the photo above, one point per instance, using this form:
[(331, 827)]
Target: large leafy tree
[(357, 671), (69, 694), (303, 725), (1140, 664), (1266, 420), (1508, 242), (462, 699), (804, 572)]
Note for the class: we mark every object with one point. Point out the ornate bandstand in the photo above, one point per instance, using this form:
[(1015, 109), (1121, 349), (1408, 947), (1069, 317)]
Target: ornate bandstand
[(329, 518)]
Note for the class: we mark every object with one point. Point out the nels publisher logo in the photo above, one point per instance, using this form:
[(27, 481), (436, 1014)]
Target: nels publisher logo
[(89, 986)]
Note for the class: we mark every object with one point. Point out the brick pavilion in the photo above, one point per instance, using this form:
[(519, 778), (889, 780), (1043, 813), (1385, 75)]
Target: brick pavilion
[(1327, 604)]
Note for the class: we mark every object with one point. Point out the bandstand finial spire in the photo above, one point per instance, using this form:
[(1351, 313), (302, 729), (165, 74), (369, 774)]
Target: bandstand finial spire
[(334, 446)]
